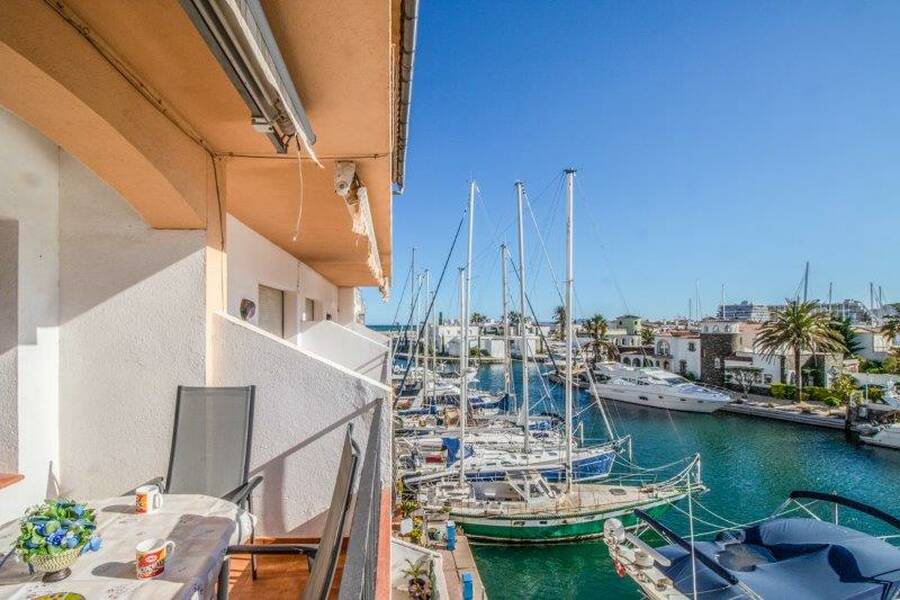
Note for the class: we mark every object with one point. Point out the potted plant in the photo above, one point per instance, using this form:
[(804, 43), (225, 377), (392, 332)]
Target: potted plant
[(54, 534), (418, 579), (408, 507)]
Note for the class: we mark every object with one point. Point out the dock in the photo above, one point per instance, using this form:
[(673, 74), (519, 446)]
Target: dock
[(456, 563), (785, 412)]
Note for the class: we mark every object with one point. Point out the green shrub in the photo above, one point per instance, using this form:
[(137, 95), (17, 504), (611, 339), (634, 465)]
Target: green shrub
[(833, 401), (783, 391), (876, 394), (843, 387), (817, 394)]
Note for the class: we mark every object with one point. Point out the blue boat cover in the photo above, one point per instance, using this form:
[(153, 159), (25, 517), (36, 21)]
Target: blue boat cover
[(452, 446), (792, 559)]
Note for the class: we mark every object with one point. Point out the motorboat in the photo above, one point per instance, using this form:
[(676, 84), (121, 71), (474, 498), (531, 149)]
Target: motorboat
[(783, 557), (886, 436), (657, 388)]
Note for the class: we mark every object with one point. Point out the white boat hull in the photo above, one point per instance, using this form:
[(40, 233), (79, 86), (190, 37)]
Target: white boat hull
[(888, 437), (646, 397)]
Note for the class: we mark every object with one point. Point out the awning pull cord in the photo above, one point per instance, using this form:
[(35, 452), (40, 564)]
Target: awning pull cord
[(296, 235)]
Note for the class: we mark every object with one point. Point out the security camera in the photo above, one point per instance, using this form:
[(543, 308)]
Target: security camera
[(344, 174)]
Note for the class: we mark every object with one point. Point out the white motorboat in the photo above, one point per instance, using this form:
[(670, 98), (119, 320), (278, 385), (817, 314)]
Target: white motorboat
[(886, 436), (657, 388)]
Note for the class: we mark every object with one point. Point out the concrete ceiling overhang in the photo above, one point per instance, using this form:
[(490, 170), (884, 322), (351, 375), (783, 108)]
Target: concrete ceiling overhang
[(339, 55)]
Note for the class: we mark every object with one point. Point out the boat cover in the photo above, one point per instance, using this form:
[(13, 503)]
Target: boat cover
[(792, 559), (452, 446)]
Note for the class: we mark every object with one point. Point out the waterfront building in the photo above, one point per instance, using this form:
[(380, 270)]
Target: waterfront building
[(744, 311), (720, 340), (873, 344), (151, 236), (680, 352)]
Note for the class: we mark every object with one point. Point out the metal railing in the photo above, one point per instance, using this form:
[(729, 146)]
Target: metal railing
[(360, 578)]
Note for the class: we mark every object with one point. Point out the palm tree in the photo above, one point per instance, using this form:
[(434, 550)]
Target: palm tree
[(646, 336), (890, 329), (559, 317), (478, 320), (801, 326), (515, 317), (596, 327)]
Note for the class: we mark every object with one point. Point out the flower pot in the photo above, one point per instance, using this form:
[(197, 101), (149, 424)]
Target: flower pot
[(55, 567)]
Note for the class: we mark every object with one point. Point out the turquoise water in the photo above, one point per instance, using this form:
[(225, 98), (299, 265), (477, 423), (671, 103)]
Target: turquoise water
[(749, 464)]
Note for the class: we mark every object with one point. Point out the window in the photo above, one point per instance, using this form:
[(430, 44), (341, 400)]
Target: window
[(271, 310), (309, 309), (767, 378), (692, 347)]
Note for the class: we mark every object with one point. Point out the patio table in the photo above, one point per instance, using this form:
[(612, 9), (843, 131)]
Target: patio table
[(202, 527)]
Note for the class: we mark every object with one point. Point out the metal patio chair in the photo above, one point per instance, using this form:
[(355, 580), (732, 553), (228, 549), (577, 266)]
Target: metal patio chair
[(322, 557), (210, 451)]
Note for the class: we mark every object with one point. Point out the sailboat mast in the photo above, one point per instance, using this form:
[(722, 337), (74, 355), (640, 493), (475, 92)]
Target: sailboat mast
[(427, 353), (570, 182), (463, 365), (507, 377), (523, 330), (466, 295), (806, 281), (412, 300)]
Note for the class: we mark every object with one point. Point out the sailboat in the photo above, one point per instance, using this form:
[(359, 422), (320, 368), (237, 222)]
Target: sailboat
[(477, 463), (525, 506)]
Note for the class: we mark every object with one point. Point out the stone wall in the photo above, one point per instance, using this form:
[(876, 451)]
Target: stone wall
[(715, 346)]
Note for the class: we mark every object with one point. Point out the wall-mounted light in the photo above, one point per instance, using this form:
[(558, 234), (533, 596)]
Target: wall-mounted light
[(248, 309)]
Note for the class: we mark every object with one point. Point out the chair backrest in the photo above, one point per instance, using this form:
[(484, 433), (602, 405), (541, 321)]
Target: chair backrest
[(211, 440), (325, 563)]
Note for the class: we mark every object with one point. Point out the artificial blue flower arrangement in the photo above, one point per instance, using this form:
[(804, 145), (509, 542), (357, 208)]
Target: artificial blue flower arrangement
[(54, 534)]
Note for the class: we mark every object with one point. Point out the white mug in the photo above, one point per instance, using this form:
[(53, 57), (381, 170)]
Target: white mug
[(148, 499), (151, 555)]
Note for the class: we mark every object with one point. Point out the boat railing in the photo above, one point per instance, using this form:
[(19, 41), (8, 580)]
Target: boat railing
[(837, 501)]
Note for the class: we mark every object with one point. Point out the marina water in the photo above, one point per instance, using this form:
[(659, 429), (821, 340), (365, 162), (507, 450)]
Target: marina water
[(749, 464)]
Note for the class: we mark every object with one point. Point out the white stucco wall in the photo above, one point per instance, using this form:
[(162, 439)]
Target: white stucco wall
[(132, 314), (303, 403), (873, 345), (9, 345), (351, 308), (373, 335), (253, 261), (346, 348), (680, 349), (29, 195)]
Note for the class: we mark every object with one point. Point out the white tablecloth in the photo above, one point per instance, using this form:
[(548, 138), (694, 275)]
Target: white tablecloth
[(201, 527)]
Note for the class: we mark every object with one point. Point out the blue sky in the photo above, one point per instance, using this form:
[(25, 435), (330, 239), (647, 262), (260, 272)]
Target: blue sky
[(714, 141)]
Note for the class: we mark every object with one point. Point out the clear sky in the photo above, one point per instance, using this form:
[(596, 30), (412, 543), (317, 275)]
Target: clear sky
[(714, 141)]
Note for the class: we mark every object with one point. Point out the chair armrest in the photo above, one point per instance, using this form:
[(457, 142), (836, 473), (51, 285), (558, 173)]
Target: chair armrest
[(157, 481), (240, 494), (294, 549)]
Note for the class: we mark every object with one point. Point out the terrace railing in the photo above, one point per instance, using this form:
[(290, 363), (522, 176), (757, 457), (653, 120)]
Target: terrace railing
[(361, 578)]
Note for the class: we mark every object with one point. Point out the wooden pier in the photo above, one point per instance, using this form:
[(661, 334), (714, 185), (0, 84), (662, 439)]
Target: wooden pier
[(458, 562)]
